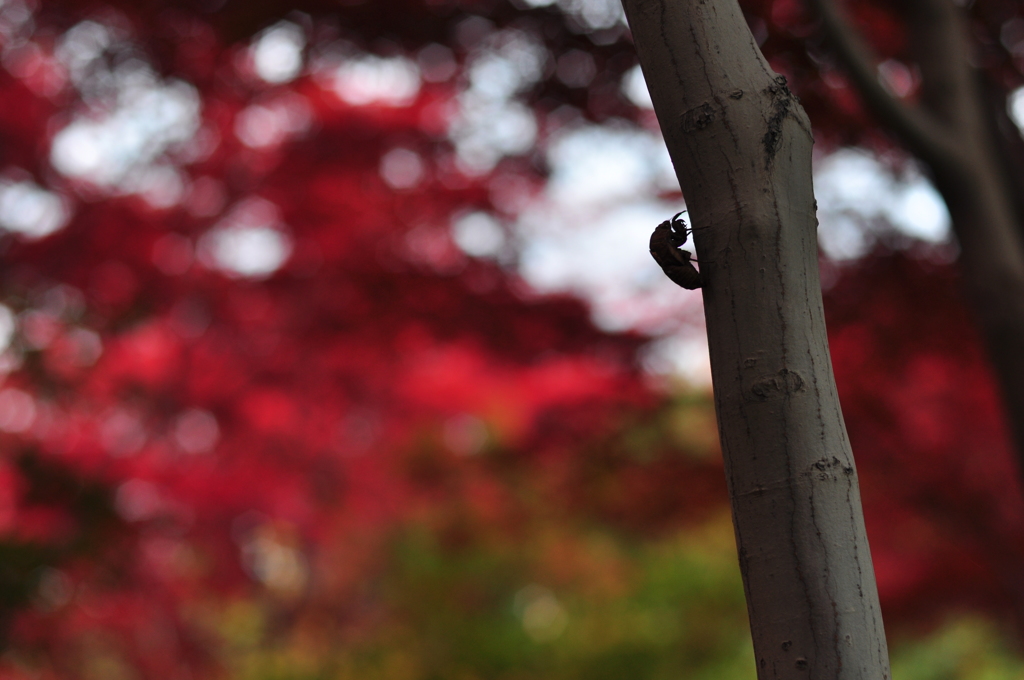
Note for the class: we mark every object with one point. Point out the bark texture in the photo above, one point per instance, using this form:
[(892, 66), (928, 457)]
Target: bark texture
[(741, 146), (954, 132)]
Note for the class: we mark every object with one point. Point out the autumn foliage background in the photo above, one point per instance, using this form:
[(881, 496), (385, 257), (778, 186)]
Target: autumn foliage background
[(281, 400)]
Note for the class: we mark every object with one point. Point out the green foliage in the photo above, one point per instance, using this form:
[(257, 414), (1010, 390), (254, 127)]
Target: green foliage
[(560, 606), (966, 648)]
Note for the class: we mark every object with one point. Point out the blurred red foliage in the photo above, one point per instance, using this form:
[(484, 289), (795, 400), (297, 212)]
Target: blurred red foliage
[(942, 495), (246, 425)]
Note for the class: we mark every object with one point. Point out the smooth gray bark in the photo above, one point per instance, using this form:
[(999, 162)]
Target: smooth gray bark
[(741, 146)]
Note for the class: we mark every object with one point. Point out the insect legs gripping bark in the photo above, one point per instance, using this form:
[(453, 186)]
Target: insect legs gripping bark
[(676, 263)]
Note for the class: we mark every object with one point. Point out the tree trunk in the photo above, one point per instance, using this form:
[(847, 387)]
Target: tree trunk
[(952, 132), (741, 146)]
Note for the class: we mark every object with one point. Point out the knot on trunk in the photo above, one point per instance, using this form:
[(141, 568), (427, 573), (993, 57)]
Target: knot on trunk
[(698, 117), (782, 384), (782, 101)]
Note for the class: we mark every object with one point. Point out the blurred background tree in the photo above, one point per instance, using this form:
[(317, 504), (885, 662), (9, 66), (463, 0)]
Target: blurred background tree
[(331, 348)]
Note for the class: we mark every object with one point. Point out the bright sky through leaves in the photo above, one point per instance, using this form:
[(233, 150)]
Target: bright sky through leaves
[(587, 232)]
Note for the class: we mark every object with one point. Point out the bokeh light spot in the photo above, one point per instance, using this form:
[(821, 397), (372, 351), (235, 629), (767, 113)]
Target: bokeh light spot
[(196, 431), (30, 210), (17, 410), (249, 242), (478, 234), (401, 168), (277, 52), (392, 81)]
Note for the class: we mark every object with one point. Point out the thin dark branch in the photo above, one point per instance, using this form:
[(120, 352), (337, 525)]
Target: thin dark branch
[(919, 130), (1008, 143), (939, 48)]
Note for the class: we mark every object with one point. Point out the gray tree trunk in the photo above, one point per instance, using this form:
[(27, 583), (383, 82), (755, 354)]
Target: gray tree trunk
[(741, 146)]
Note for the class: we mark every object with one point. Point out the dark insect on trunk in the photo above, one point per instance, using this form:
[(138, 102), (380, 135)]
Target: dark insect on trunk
[(676, 264)]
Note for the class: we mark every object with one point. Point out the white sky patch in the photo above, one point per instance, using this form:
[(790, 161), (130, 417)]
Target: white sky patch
[(31, 211), (605, 257), (8, 324), (635, 88), (589, 233), (487, 131), (478, 234), (492, 122), (921, 212), (81, 46), (1015, 107), (855, 190), (682, 354), (368, 79), (605, 165), (277, 52), (250, 251), (148, 118), (507, 63), (249, 242), (590, 228), (595, 14), (585, 16)]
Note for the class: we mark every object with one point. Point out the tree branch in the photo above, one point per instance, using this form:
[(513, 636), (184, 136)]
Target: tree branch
[(953, 135), (926, 136), (1009, 145), (939, 48)]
